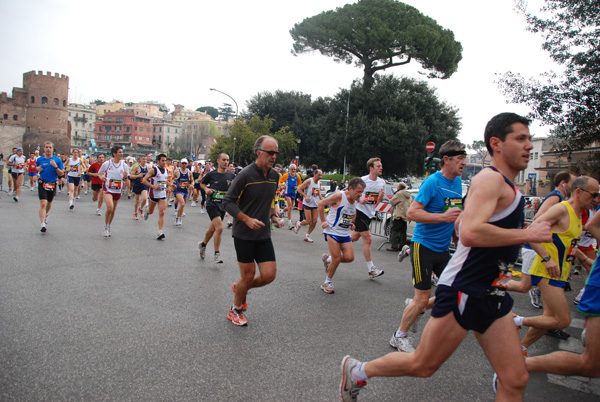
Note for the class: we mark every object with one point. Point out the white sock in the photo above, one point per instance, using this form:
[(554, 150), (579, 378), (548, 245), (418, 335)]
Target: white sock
[(328, 279), (400, 334), (370, 265), (358, 372), (518, 320), (329, 260)]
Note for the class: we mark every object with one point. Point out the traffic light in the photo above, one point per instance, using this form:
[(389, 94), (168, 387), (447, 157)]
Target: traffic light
[(427, 163), (435, 165)]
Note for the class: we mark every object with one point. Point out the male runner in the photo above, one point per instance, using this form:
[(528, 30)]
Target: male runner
[(9, 171), (552, 265), (112, 173), (471, 293), (337, 228), (74, 167), (562, 190), (366, 211), (310, 190), (588, 363), (156, 180), (182, 177), (250, 200), (32, 171), (435, 209), (97, 182), (17, 164), (139, 189), (49, 168), (215, 184), (291, 180)]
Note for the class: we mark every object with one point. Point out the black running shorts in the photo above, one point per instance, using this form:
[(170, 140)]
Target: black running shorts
[(254, 250)]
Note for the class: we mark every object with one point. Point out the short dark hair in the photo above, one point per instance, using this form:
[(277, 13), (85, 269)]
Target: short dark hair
[(501, 125), (355, 182), (560, 176), (161, 156), (115, 149), (450, 145)]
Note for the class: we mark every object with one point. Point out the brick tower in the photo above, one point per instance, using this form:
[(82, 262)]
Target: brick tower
[(47, 110)]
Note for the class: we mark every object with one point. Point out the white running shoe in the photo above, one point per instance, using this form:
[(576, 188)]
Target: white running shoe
[(201, 210), (297, 227), (327, 287), (160, 236), (202, 252), (535, 297), (98, 212), (405, 252), (324, 258), (374, 273), (308, 239), (218, 259), (403, 344), (193, 203), (349, 388), (106, 233)]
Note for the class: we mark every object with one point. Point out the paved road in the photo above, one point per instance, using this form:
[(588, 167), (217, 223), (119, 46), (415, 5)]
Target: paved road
[(84, 317)]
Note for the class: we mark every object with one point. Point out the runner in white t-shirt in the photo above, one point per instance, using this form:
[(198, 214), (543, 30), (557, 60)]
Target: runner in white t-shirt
[(112, 173), (17, 162)]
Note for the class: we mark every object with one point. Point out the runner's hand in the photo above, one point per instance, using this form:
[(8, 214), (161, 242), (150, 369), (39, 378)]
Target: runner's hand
[(539, 232), (254, 224), (325, 224), (451, 214)]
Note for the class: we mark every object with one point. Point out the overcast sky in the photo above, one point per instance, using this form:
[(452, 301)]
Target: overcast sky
[(173, 52)]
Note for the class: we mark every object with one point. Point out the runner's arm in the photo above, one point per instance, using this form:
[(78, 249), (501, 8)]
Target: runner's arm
[(593, 225), (476, 231)]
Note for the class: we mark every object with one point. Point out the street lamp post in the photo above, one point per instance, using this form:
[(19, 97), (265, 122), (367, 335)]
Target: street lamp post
[(229, 96), (234, 149)]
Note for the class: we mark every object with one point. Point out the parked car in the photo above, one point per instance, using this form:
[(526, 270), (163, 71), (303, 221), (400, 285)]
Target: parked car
[(325, 186)]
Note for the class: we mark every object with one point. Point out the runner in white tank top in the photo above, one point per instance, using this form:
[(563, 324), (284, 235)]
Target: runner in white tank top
[(156, 180), (337, 228), (112, 173), (311, 191)]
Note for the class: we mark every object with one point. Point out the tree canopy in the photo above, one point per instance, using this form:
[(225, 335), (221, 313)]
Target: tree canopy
[(379, 34), (211, 111), (568, 101), (243, 135), (393, 120)]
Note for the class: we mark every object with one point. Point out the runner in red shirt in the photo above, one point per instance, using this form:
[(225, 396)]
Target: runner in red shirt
[(32, 171), (97, 182)]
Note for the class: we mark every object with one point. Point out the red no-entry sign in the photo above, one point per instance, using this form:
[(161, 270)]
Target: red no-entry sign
[(430, 147)]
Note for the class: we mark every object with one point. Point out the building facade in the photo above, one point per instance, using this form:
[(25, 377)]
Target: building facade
[(82, 119), (126, 127), (36, 113)]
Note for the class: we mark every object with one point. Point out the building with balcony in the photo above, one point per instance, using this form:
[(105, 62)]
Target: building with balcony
[(82, 119), (126, 127), (164, 134)]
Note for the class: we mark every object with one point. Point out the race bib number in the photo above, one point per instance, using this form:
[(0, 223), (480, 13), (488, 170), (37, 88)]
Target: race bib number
[(219, 195), (452, 203), (371, 197), (183, 184), (500, 284), (316, 192), (163, 185), (115, 184), (19, 166), (74, 168), (572, 250), (48, 186), (346, 221)]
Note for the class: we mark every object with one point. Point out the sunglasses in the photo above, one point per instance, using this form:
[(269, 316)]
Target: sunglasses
[(269, 152), (594, 195)]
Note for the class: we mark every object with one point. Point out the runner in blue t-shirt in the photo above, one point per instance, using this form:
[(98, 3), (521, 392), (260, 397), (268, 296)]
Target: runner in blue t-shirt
[(49, 168), (435, 209)]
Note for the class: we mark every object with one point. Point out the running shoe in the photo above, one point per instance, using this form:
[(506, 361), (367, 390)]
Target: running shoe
[(85, 192), (145, 213), (349, 388), (16, 198), (140, 212), (135, 216), (218, 259), (71, 206), (434, 280), (106, 233), (98, 212), (201, 210), (297, 227), (43, 229), (403, 344), (577, 299), (405, 252), (308, 239), (327, 287), (46, 218), (558, 333), (202, 252), (290, 225), (324, 258), (535, 297), (374, 273), (237, 317), (229, 225), (31, 189), (77, 196), (193, 203), (161, 235), (245, 305)]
